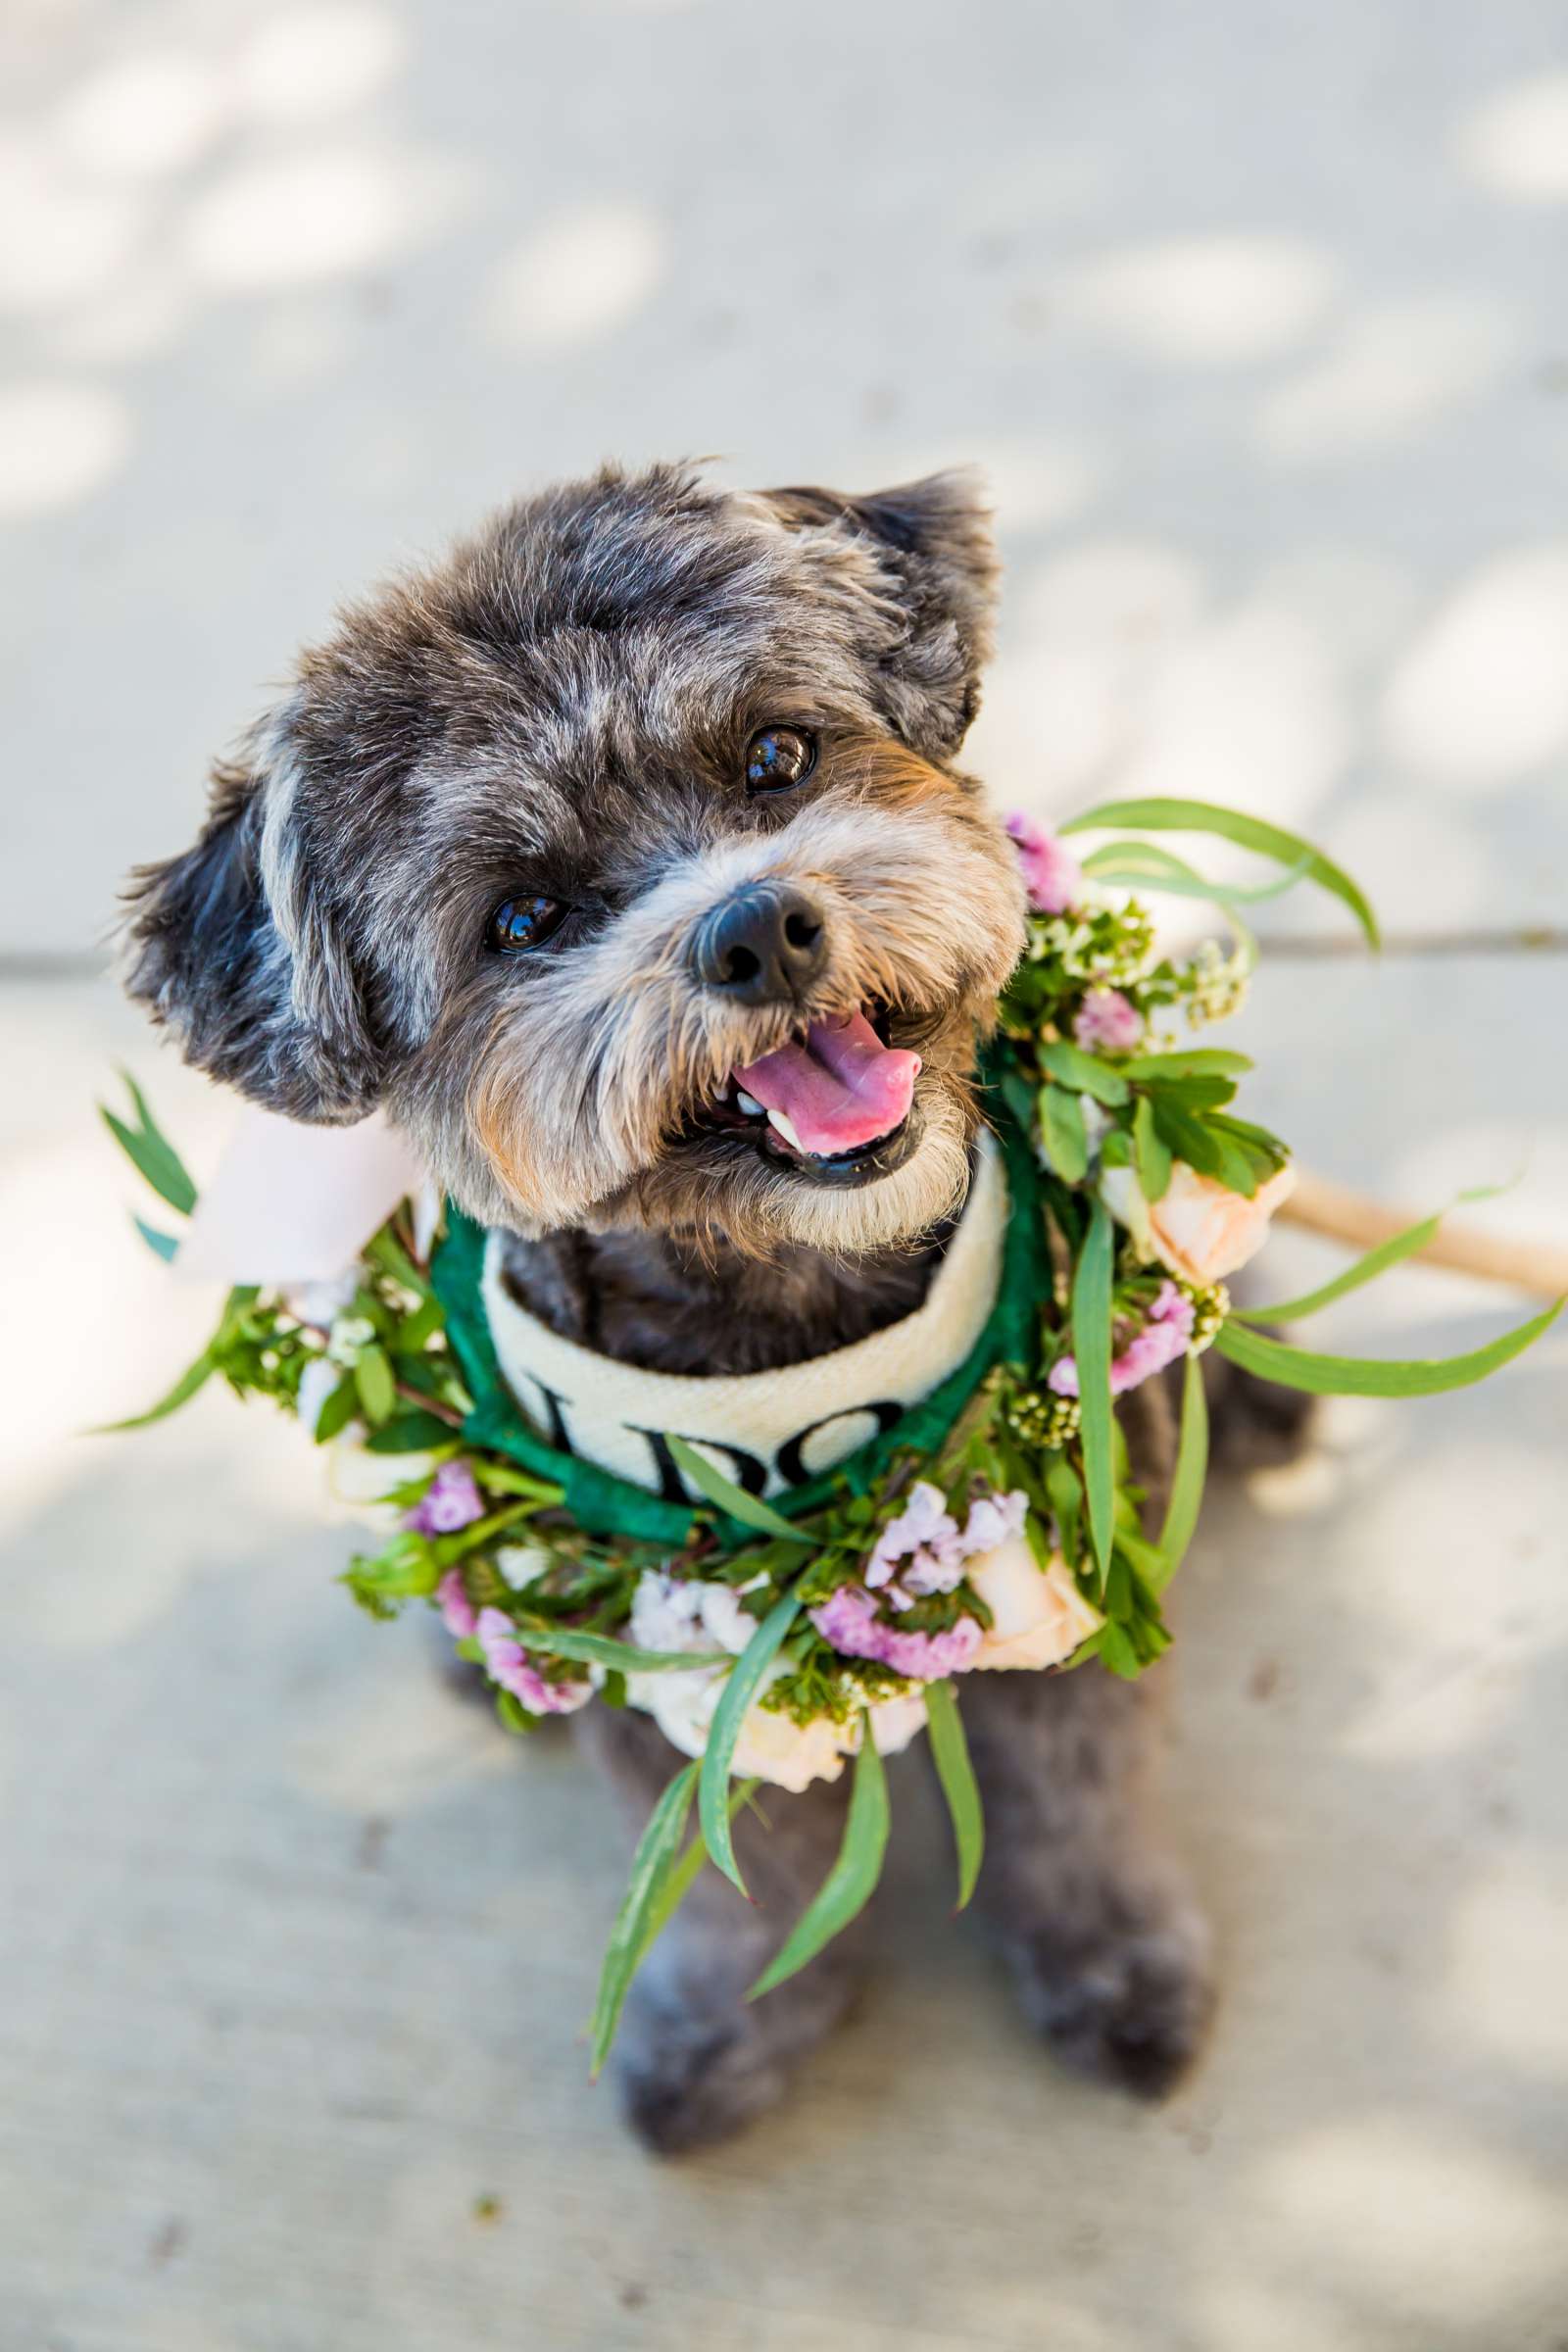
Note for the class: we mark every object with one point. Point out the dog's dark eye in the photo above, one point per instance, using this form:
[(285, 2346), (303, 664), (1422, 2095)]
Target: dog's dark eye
[(777, 758), (520, 923)]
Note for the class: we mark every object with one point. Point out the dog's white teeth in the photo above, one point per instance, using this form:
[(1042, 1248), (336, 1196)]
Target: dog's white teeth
[(750, 1105), (785, 1126)]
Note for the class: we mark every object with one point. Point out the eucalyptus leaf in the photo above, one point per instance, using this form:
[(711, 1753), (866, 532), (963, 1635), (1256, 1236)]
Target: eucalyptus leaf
[(1204, 1062), (372, 1377), (1368, 1376), (1063, 1133), (1248, 832), (1091, 1346), (851, 1883), (949, 1752), (1083, 1072), (162, 1244), (746, 1678), (731, 1499)]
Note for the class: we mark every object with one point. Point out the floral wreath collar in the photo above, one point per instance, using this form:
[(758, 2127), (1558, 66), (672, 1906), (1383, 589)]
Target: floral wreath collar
[(992, 1525)]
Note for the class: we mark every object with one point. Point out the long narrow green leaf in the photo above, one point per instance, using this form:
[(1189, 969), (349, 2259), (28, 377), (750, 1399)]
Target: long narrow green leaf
[(1248, 832), (745, 1679), (1139, 866), (1151, 1153), (1366, 1376), (730, 1497), (849, 1885), (1186, 1478), (1091, 1346), (195, 1377), (603, 1650), (154, 1159), (949, 1752), (1391, 1253), (1203, 1062), (684, 1876), (655, 1860)]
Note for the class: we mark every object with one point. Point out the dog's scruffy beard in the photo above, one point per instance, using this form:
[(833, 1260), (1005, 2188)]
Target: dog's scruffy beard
[(589, 1102)]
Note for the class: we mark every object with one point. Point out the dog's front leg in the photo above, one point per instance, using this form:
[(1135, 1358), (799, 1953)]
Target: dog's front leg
[(1098, 1920), (695, 2060)]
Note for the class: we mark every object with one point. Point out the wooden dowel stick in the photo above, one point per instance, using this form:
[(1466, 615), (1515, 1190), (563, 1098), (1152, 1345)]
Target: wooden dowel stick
[(1540, 1268)]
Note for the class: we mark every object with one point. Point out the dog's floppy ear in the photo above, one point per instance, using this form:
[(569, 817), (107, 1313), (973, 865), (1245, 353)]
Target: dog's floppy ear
[(933, 548), (234, 947)]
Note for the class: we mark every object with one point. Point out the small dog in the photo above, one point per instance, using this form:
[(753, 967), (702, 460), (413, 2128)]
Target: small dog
[(645, 783)]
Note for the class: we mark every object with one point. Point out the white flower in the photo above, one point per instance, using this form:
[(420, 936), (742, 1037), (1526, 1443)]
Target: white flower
[(322, 1302), (1039, 1615), (522, 1564), (1200, 1229)]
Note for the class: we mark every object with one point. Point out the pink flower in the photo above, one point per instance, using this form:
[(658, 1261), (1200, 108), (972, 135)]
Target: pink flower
[(507, 1664), (926, 1537), (1052, 874), (1162, 1341), (993, 1520), (457, 1612), (849, 1619), (450, 1501), (1107, 1022)]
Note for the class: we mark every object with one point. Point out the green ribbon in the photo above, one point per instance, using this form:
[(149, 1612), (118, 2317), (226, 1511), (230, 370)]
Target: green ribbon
[(603, 1505)]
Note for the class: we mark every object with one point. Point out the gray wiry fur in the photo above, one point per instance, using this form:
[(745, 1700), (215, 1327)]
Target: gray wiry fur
[(564, 707)]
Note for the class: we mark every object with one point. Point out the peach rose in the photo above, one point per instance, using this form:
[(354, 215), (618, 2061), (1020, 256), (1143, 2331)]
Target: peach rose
[(1039, 1615), (1200, 1230)]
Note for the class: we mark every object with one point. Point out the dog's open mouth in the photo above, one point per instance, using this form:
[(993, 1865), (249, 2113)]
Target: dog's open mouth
[(834, 1103)]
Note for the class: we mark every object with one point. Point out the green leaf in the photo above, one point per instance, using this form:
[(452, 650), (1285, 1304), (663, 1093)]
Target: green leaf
[(1191, 1139), (849, 1885), (151, 1153), (413, 1431), (162, 1244), (949, 1752), (656, 1852), (745, 1679), (1091, 1346), (1115, 1649), (372, 1377), (730, 1497), (1204, 1062), (1248, 832), (679, 1883), (195, 1377), (1062, 1130), (337, 1411), (603, 1650), (389, 1252), (1391, 1253), (1073, 1068), (1366, 1376), (1139, 866), (1186, 1480), (1151, 1153)]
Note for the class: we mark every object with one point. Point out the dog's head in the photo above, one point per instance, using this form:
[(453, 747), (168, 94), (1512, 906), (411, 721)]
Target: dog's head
[(621, 860)]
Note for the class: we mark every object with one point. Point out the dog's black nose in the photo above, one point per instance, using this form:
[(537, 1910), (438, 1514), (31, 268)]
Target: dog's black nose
[(764, 946)]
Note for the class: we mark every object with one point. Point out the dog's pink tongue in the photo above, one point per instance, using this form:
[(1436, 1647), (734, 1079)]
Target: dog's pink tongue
[(841, 1088)]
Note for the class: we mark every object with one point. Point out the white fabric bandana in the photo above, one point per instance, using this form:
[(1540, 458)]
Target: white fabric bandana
[(769, 1431)]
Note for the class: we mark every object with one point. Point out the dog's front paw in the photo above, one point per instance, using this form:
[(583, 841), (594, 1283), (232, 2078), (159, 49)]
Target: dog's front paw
[(688, 2087), (1130, 2008)]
